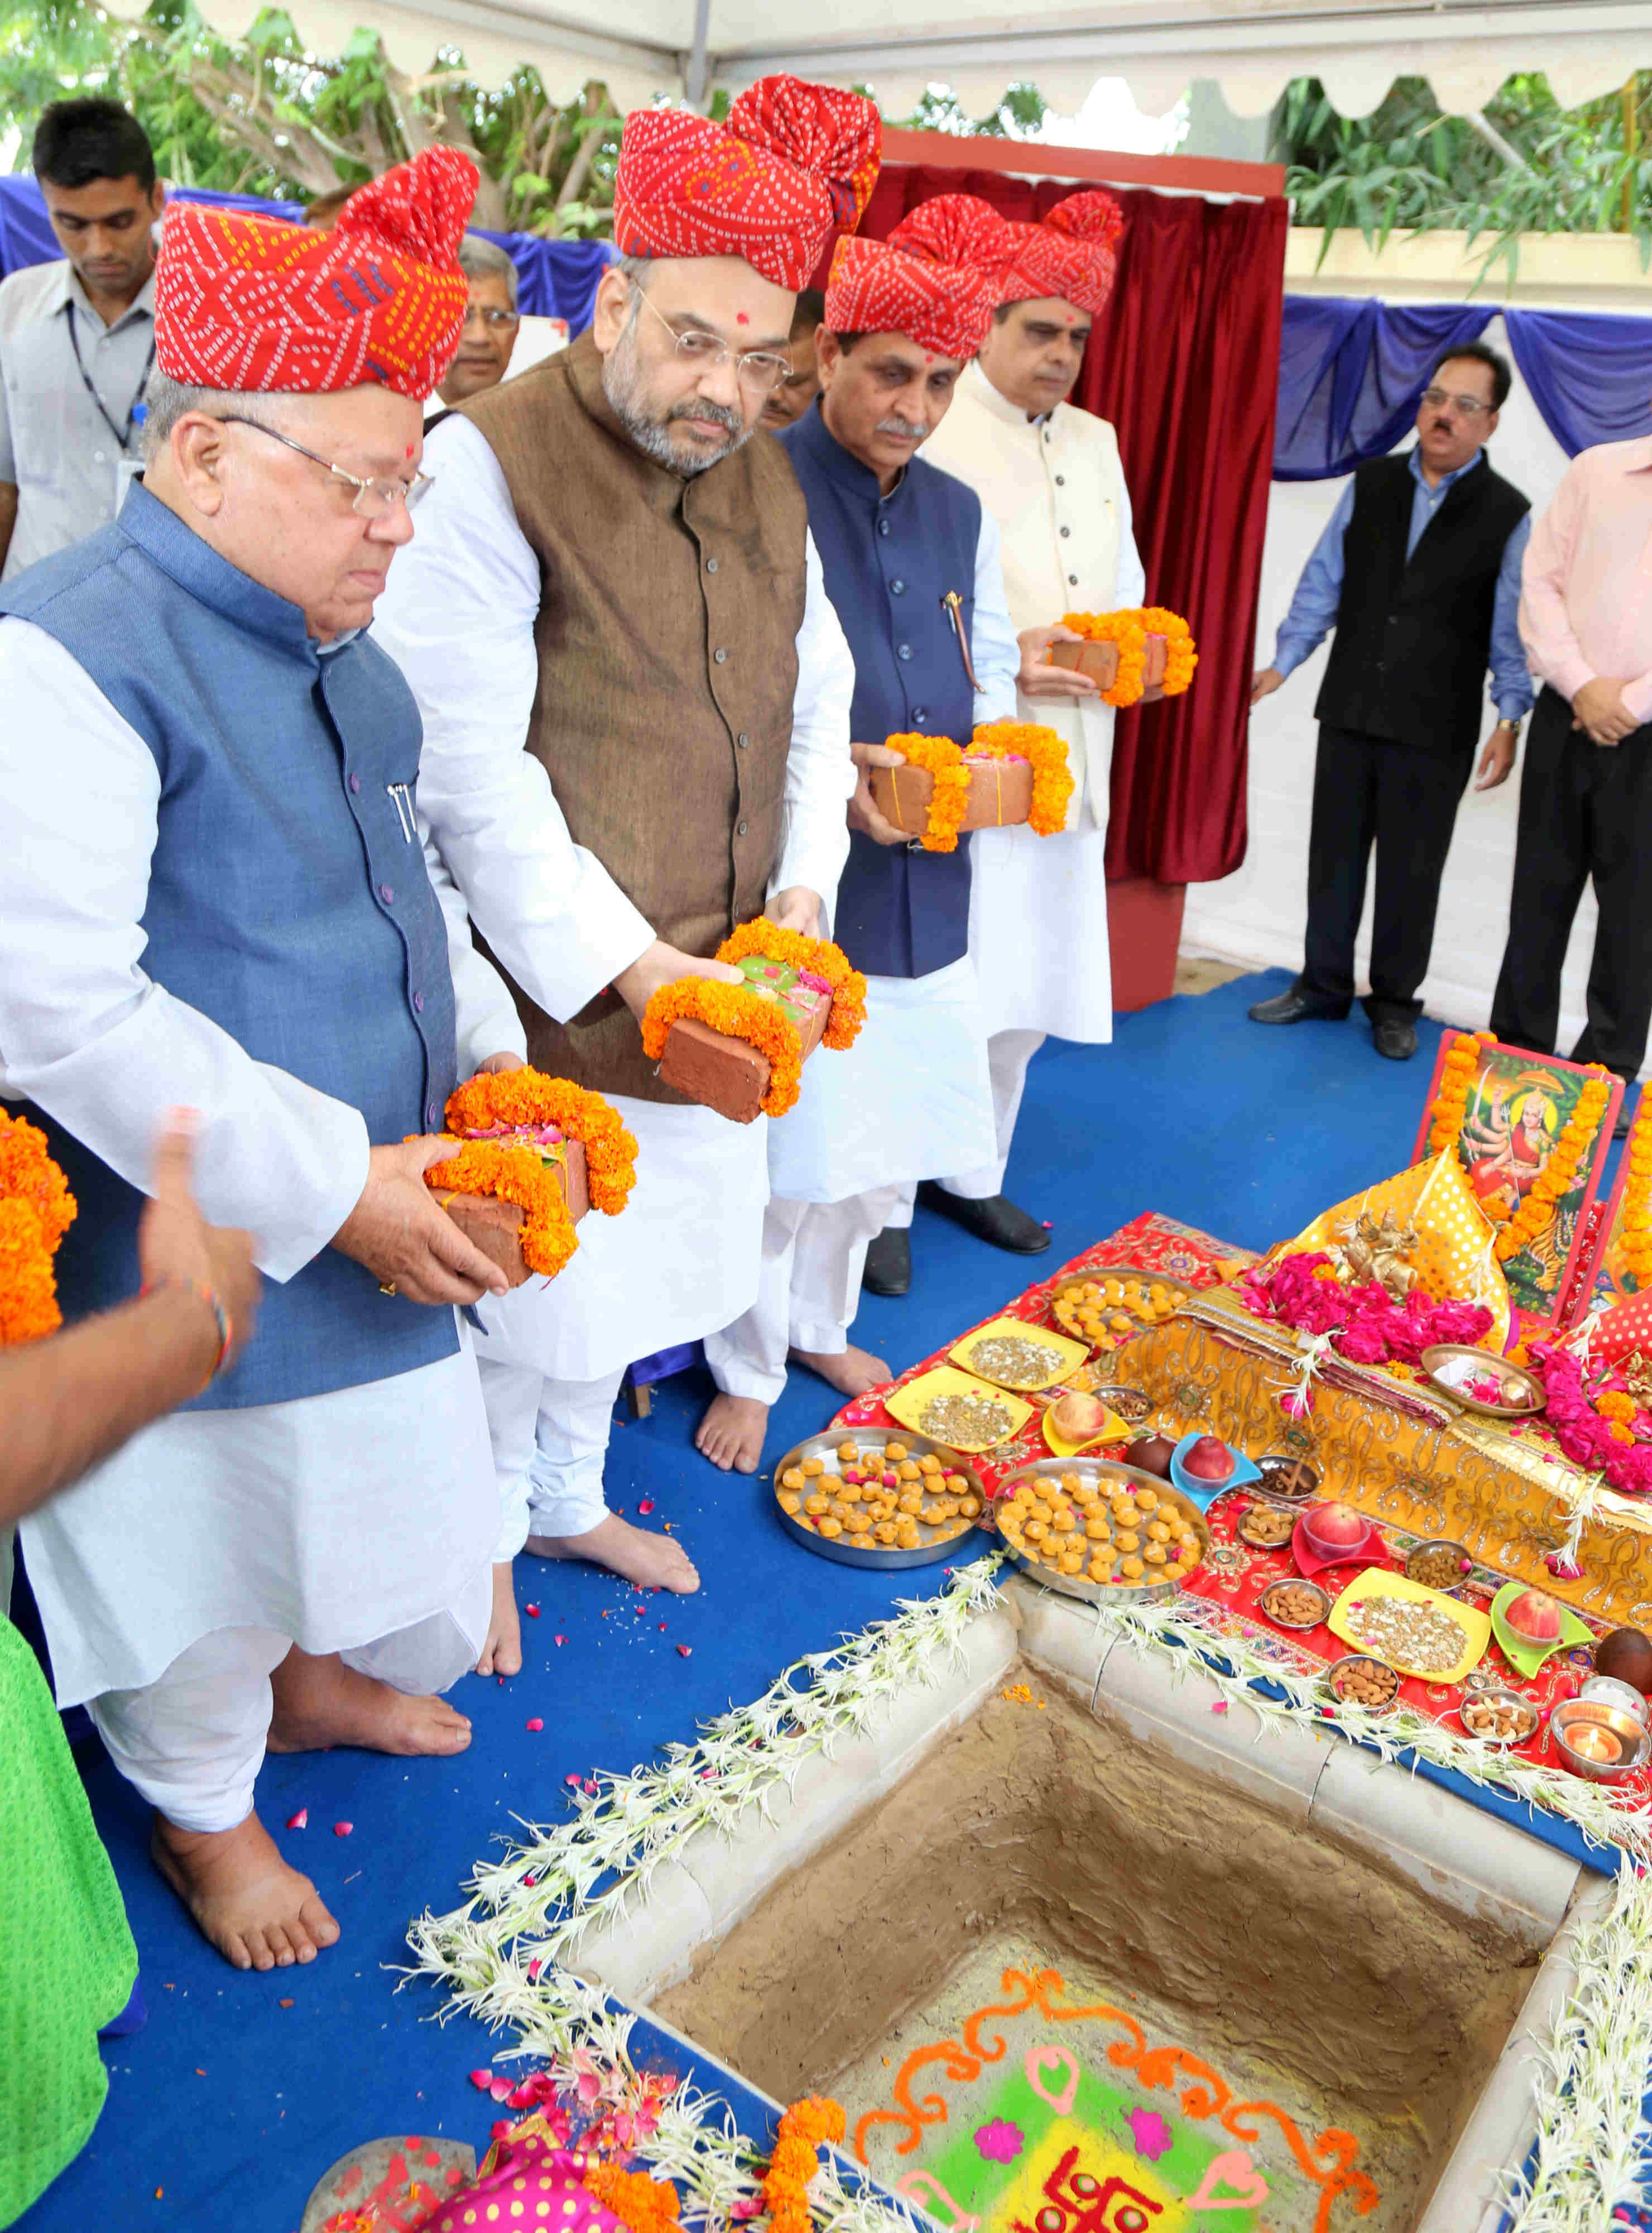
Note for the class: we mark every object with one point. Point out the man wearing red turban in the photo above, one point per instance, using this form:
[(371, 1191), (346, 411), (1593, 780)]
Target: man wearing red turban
[(912, 572), (1049, 473), (214, 895), (635, 698)]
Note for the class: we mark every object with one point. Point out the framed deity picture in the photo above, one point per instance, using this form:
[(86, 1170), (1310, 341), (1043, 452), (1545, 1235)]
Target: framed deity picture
[(1517, 1108)]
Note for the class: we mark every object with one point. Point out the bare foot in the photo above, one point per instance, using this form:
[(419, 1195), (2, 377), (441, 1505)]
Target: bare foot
[(851, 1372), (502, 1653), (321, 1703), (652, 1562), (258, 1913), (732, 1433)]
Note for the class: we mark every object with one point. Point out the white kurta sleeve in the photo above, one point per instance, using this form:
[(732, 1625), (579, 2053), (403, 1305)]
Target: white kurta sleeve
[(458, 617), (1132, 590), (996, 653), (820, 775), (486, 1021), (84, 1030)]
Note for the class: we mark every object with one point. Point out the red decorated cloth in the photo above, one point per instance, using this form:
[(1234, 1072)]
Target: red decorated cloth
[(1073, 253), (1234, 1574), (789, 173), (934, 279), (252, 302)]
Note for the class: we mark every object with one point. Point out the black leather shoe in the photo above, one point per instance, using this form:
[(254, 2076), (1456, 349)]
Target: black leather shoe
[(1396, 1039), (888, 1263), (995, 1221), (1625, 1114), (1294, 1007)]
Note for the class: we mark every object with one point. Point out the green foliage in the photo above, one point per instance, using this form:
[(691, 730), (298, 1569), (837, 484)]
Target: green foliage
[(1018, 116), (1523, 164)]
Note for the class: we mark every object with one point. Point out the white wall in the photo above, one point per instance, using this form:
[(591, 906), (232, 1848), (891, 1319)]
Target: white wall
[(1257, 915)]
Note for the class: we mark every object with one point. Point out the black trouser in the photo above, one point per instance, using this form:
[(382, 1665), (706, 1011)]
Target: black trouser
[(1585, 812), (1403, 799)]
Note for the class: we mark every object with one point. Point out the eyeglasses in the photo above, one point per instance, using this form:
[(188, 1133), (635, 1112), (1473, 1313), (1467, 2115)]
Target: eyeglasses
[(498, 320), (758, 369), (375, 499), (1470, 406)]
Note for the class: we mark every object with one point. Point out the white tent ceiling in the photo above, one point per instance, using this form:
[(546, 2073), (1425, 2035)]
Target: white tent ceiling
[(647, 47)]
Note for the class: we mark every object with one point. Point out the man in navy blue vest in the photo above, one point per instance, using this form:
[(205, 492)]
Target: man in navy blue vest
[(912, 570), (1419, 572), (215, 894)]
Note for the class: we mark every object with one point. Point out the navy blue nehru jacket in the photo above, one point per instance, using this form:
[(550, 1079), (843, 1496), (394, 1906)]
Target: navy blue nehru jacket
[(889, 562)]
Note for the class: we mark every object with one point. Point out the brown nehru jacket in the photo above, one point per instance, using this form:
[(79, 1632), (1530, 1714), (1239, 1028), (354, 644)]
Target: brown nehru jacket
[(666, 636)]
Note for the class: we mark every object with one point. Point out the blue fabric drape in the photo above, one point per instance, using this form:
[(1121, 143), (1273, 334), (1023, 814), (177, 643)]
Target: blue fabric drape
[(1351, 374), (554, 278), (1590, 375)]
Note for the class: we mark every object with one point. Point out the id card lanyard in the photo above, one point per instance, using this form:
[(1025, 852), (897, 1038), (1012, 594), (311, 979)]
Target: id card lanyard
[(134, 409)]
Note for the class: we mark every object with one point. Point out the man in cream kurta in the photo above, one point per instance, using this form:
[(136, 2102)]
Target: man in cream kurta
[(1048, 474)]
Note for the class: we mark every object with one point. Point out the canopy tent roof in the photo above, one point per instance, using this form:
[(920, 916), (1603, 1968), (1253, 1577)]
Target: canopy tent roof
[(1251, 48)]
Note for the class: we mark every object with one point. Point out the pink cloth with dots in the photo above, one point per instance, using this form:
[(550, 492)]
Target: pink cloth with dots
[(527, 2184)]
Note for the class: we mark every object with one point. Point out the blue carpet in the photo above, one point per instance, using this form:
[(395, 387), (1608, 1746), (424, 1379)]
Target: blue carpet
[(243, 2090)]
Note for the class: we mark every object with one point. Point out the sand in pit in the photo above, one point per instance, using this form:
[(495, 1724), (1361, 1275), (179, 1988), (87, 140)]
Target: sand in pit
[(1299, 1969)]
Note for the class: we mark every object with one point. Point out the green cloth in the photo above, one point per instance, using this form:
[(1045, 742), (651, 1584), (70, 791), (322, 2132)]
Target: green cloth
[(67, 1960)]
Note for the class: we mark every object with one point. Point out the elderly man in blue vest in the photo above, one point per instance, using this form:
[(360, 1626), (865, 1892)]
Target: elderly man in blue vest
[(912, 567), (214, 894)]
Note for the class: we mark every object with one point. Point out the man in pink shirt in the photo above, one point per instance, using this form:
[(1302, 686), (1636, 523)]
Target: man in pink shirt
[(1586, 794)]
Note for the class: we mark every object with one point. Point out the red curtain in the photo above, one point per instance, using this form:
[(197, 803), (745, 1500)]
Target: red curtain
[(1184, 363)]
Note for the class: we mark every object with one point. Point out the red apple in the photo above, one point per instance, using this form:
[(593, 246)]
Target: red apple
[(1078, 1418), (1151, 1454), (1208, 1460), (1335, 1524), (1534, 1614)]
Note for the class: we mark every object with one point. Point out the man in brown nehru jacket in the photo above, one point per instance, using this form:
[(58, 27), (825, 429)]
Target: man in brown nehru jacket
[(635, 698)]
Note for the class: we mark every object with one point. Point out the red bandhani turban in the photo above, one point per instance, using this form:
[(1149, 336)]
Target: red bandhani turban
[(247, 303), (1074, 253), (788, 173), (934, 279)]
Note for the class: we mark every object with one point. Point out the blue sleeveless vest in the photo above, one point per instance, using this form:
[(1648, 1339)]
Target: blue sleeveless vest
[(288, 901), (889, 563)]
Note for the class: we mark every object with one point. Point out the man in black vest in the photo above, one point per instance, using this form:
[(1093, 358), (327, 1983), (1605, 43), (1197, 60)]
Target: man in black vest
[(1419, 572)]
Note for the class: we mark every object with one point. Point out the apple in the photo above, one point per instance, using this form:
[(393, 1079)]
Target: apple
[(1336, 1524), (1534, 1614), (1078, 1418), (1208, 1460), (1151, 1454)]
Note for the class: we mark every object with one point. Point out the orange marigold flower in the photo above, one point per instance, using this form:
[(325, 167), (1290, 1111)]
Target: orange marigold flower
[(646, 2205), (518, 1175), (1615, 1404), (814, 957), (944, 760), (736, 1011), (529, 1096), (36, 1209), (1052, 782), (1129, 630)]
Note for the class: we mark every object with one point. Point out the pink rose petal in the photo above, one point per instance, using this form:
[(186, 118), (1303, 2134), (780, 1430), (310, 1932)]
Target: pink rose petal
[(300, 1820), (500, 2088), (501, 2129), (683, 1650), (1219, 1706), (533, 1968), (646, 1507), (535, 1723), (481, 2080), (343, 1829), (572, 1780), (532, 1611)]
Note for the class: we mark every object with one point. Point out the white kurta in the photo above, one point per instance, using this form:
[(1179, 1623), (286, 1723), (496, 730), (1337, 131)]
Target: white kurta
[(458, 617), (336, 1519), (1038, 913)]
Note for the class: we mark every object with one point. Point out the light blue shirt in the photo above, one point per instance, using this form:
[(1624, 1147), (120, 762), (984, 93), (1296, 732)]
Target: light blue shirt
[(1313, 610)]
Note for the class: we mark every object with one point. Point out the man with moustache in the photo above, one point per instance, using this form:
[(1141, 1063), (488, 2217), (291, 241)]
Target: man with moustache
[(635, 698), (1419, 573), (77, 339), (912, 569)]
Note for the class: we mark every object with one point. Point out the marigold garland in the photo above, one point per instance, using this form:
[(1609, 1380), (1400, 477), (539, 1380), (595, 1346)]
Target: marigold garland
[(1637, 1196), (1450, 1105), (811, 957), (36, 1209), (1559, 1174), (1129, 629), (1052, 782), (803, 2130), (646, 2205), (943, 760), (529, 1096), (736, 1011), (515, 1171)]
